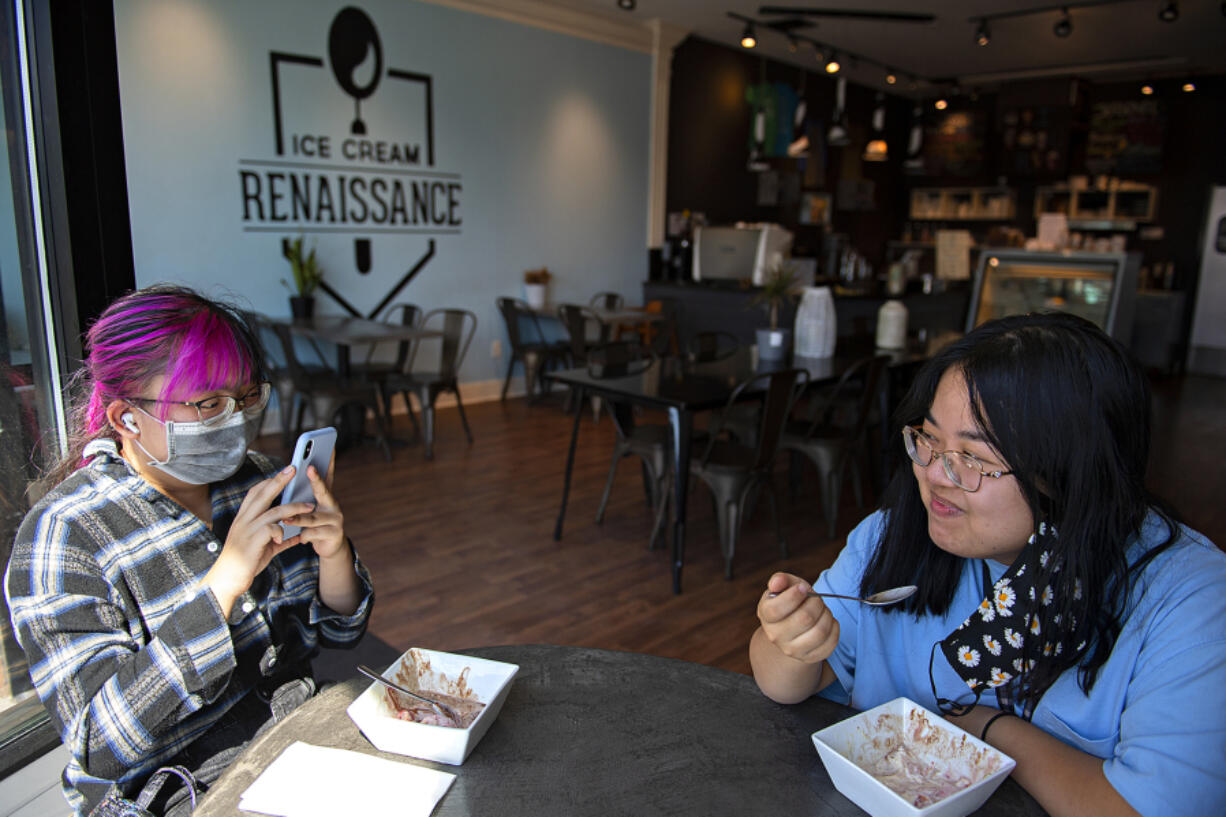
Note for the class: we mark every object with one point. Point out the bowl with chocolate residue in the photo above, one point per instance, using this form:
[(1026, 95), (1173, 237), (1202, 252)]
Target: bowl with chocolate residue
[(902, 760), (474, 687)]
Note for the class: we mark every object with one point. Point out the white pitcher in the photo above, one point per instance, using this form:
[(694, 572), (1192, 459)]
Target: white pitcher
[(815, 323), (892, 325)]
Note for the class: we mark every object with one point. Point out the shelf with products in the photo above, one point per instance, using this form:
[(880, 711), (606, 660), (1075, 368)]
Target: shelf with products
[(1119, 206), (963, 204)]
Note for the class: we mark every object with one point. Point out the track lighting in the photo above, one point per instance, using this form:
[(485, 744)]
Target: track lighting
[(982, 35), (1189, 87), (1063, 26), (747, 38), (832, 65), (1169, 12)]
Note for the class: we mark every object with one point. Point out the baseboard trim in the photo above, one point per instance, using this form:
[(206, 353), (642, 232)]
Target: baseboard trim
[(1207, 360)]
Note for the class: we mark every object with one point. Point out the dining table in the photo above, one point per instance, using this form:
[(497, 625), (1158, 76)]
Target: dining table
[(682, 388), (598, 732), (345, 332)]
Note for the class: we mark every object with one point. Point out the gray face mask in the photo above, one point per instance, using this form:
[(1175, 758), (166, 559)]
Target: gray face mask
[(198, 454)]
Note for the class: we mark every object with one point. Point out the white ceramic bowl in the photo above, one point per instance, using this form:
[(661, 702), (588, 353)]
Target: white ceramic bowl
[(849, 745), (490, 682)]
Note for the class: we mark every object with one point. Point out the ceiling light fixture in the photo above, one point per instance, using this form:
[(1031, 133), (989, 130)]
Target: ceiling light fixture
[(877, 150), (890, 77), (1169, 12), (627, 5), (1189, 87), (1147, 89), (747, 38), (838, 135), (832, 65), (941, 104), (1063, 26), (793, 44), (982, 35)]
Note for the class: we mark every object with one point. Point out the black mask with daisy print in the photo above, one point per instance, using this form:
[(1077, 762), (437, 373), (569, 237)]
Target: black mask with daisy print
[(997, 645)]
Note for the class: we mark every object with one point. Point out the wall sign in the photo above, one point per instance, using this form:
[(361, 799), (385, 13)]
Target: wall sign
[(1125, 137), (363, 175)]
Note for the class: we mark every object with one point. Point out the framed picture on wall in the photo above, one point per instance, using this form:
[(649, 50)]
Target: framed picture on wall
[(815, 209)]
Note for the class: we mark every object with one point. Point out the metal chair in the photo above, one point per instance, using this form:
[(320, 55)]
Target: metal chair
[(578, 322), (324, 391), (706, 347), (405, 314), (536, 354), (735, 473), (651, 443), (265, 333), (607, 300), (833, 445), (458, 327), (585, 331)]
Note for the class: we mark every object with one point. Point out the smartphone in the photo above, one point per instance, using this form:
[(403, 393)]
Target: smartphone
[(313, 448)]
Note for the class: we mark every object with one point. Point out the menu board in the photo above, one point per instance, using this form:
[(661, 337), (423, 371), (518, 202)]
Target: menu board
[(1034, 140), (1125, 138), (954, 144)]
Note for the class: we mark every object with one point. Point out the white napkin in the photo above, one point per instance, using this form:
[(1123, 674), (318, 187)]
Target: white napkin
[(315, 781)]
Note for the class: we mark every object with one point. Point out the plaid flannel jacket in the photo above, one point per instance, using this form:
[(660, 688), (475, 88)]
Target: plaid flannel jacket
[(130, 655)]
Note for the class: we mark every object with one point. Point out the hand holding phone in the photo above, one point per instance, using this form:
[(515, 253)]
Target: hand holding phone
[(313, 448)]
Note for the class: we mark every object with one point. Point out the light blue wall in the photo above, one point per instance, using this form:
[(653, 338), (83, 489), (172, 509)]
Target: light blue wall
[(548, 134)]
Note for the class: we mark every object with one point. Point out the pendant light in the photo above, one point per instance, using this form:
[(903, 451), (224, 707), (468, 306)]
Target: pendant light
[(837, 136), (877, 150), (800, 122), (915, 142)]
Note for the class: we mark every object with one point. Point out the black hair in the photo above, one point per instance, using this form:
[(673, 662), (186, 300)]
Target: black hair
[(1068, 411)]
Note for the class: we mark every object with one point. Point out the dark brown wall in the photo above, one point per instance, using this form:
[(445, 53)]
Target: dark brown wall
[(709, 124), (708, 146)]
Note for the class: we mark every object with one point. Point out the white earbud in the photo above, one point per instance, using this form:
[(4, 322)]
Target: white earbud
[(129, 422)]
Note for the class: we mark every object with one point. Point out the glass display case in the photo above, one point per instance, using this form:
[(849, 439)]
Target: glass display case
[(1100, 287)]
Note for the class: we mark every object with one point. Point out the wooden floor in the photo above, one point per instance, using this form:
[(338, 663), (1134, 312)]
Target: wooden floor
[(462, 552)]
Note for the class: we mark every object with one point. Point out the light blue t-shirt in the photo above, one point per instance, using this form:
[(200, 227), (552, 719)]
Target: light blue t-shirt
[(1157, 711)]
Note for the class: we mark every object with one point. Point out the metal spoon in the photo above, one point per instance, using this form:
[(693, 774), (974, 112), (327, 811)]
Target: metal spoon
[(883, 598), (440, 708)]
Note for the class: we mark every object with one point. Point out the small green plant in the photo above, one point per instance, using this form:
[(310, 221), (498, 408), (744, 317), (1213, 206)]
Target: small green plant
[(305, 269), (778, 285)]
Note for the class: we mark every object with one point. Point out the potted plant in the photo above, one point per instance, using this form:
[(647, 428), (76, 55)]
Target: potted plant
[(535, 282), (307, 275), (778, 285)]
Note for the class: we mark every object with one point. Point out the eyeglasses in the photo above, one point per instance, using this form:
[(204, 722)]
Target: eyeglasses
[(213, 411), (964, 470)]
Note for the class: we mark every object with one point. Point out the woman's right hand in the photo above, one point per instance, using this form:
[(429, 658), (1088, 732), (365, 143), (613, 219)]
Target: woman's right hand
[(255, 537), (798, 625)]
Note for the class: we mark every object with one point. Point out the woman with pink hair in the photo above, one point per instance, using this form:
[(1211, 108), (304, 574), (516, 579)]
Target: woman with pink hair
[(165, 615)]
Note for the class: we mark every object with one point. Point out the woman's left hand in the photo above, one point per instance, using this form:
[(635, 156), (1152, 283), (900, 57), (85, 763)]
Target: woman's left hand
[(323, 528)]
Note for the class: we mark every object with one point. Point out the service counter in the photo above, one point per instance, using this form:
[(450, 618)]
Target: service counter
[(707, 308)]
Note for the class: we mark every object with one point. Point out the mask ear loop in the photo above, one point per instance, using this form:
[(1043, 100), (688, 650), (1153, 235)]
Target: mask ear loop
[(944, 705)]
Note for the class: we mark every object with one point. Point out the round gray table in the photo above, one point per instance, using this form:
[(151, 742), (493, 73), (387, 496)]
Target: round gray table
[(596, 732)]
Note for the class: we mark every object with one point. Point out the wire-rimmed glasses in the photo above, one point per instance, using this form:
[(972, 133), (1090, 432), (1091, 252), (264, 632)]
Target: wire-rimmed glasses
[(963, 469), (213, 411)]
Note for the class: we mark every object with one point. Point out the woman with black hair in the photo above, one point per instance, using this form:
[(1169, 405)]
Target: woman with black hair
[(1062, 613)]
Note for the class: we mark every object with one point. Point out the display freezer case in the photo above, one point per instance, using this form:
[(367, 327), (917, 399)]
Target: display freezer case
[(1100, 287)]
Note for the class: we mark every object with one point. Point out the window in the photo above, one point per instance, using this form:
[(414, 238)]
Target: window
[(33, 326)]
